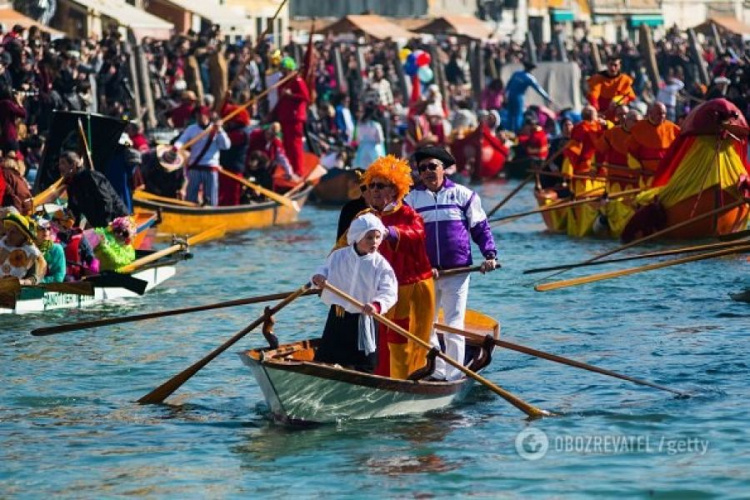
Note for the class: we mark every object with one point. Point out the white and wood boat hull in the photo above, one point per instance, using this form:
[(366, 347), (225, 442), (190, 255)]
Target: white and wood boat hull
[(35, 301), (296, 397)]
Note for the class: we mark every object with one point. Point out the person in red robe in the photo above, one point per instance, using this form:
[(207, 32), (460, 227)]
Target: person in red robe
[(233, 159), (265, 152), (388, 180), (291, 113), (181, 115)]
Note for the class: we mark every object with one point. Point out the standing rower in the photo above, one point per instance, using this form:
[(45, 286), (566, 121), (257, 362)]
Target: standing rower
[(453, 217)]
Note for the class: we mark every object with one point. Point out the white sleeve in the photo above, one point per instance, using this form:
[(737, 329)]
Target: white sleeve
[(387, 289), (325, 268), (474, 212)]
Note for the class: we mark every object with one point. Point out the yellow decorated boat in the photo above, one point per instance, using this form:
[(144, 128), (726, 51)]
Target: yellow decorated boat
[(177, 218)]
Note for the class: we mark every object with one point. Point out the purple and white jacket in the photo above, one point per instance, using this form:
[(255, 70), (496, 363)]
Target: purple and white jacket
[(452, 217)]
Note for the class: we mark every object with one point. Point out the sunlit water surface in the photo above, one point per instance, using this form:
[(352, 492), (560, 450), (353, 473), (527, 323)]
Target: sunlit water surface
[(69, 426)]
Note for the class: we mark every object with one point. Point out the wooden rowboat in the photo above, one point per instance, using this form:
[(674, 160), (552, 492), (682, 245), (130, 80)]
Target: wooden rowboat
[(337, 187), (301, 391), (177, 219)]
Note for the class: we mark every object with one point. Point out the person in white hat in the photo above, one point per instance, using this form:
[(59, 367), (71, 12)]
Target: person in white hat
[(359, 270)]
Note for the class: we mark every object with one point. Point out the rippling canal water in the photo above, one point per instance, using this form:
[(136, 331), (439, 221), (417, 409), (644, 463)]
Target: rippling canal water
[(69, 426)]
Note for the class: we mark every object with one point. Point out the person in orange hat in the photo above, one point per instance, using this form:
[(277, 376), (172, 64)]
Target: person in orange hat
[(388, 180)]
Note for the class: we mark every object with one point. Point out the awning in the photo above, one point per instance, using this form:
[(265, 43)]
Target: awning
[(374, 26), (725, 25), (10, 18), (562, 16), (465, 26), (142, 23), (227, 18), (647, 19)]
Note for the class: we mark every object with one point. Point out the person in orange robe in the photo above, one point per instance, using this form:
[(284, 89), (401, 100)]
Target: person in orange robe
[(610, 88), (650, 139), (388, 180), (580, 151), (612, 151)]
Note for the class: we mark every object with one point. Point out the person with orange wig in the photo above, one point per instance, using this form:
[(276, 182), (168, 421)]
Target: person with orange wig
[(388, 180)]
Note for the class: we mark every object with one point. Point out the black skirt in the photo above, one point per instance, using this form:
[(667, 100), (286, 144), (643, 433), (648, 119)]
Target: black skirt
[(340, 341)]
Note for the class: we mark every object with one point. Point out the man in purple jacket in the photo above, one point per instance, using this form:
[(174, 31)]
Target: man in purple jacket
[(453, 217)]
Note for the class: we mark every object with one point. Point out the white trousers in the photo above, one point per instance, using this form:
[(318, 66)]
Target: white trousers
[(451, 294)]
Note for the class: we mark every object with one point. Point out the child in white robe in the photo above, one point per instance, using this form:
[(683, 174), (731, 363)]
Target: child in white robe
[(359, 270)]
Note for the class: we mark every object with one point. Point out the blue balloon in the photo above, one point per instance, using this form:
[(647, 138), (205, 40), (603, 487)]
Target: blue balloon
[(411, 59), (425, 74), (410, 68)]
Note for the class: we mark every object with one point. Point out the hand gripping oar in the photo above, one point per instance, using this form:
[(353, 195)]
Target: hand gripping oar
[(238, 110), (557, 359), (649, 255), (510, 195), (82, 325), (545, 287), (282, 200), (165, 390), (193, 240), (657, 234), (528, 409)]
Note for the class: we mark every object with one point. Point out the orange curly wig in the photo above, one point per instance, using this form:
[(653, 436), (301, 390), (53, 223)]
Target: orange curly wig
[(396, 170)]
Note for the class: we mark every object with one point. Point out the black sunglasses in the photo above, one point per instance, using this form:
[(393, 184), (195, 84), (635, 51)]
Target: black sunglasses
[(378, 185), (429, 166)]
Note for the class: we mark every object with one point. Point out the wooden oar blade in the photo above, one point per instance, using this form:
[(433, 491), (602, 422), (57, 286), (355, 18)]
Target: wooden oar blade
[(165, 390), (209, 234), (555, 285), (73, 288)]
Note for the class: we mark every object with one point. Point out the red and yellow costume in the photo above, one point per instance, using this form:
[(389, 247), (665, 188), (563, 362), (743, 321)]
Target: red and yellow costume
[(605, 89), (579, 154), (404, 249), (612, 150), (649, 143)]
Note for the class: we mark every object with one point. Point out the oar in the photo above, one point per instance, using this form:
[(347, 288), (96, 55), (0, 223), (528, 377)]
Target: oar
[(545, 287), (282, 200), (162, 392), (85, 144), (82, 325), (193, 240), (45, 195), (10, 286), (557, 206), (111, 279), (657, 234), (558, 359), (238, 110), (528, 409), (312, 176), (663, 253), (459, 270), (140, 194), (735, 236), (510, 195), (72, 287)]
